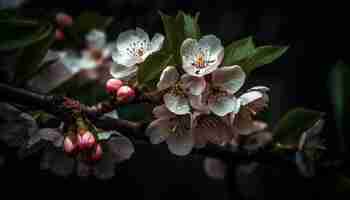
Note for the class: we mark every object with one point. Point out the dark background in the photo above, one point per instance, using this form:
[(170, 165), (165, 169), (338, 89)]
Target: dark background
[(317, 37)]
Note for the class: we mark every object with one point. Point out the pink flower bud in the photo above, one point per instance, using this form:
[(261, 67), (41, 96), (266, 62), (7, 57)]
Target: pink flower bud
[(125, 94), (64, 20), (59, 35), (113, 85), (68, 145), (97, 153), (86, 140)]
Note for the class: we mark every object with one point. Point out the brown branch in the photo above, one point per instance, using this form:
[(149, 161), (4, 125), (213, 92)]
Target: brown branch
[(63, 107)]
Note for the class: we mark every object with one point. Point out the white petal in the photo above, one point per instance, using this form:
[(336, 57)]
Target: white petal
[(168, 78), (193, 85), (223, 105), (253, 127), (229, 78), (215, 168), (159, 130), (123, 58), (157, 42), (86, 61), (177, 104), (122, 72), (162, 112), (121, 148), (71, 61), (259, 88), (249, 97), (188, 50), (180, 145), (128, 38), (96, 39), (213, 44)]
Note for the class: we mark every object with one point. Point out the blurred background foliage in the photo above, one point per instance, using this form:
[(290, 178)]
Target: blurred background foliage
[(309, 75)]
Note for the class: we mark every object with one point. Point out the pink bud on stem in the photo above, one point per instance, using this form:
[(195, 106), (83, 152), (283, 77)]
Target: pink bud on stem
[(125, 94), (113, 85)]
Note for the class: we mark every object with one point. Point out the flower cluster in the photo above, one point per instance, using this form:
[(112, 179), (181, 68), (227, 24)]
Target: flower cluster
[(201, 105)]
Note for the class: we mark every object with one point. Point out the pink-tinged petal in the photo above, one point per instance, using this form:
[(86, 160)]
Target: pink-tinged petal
[(162, 112), (120, 148), (122, 72), (229, 78), (214, 168), (177, 104), (157, 42), (159, 130), (211, 128), (222, 105), (249, 97), (168, 78), (180, 144), (192, 84), (199, 103)]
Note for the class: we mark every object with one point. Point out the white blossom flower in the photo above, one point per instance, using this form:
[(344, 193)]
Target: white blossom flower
[(181, 90), (219, 96), (132, 48), (96, 53), (201, 57), (174, 129)]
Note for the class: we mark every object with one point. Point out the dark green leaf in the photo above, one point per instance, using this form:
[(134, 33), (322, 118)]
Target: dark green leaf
[(294, 123), (17, 33), (32, 55), (153, 66), (262, 55), (340, 96), (238, 50)]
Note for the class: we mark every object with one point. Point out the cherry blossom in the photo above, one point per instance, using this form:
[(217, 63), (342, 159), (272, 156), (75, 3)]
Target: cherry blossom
[(202, 57), (172, 128), (132, 48)]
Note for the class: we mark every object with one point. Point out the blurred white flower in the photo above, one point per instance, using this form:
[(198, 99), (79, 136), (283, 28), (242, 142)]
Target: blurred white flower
[(132, 48), (201, 57)]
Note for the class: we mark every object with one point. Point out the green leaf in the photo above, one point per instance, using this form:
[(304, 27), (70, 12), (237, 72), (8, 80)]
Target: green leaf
[(90, 20), (238, 50), (190, 25), (340, 95), (261, 56), (32, 55), (153, 66), (18, 33), (294, 123), (106, 135)]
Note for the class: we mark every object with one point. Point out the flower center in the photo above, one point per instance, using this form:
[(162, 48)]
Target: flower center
[(140, 52), (201, 62), (181, 126)]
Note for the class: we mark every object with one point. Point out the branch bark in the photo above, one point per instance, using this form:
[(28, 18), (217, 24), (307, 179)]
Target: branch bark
[(63, 106)]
